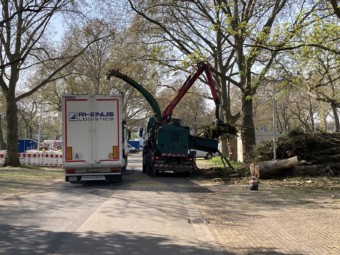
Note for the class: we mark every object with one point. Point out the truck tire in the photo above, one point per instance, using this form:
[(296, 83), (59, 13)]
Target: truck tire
[(144, 167), (208, 156), (76, 182), (150, 170), (187, 174), (126, 162)]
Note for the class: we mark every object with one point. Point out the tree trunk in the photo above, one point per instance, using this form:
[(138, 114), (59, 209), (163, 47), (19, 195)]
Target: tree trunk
[(248, 129), (336, 117), (232, 143), (284, 167), (225, 147), (2, 142), (12, 158)]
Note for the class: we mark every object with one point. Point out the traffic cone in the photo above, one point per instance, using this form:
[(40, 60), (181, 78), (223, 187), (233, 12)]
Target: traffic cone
[(253, 183), (255, 173)]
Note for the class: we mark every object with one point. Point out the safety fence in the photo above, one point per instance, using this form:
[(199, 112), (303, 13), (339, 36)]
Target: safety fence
[(37, 158)]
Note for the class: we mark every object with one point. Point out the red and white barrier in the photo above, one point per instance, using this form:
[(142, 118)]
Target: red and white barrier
[(52, 159), (37, 158)]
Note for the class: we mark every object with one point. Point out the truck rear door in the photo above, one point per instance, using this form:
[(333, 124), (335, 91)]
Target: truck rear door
[(107, 133), (92, 132)]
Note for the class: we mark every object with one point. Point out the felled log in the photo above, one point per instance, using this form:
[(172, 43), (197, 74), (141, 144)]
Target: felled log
[(276, 168)]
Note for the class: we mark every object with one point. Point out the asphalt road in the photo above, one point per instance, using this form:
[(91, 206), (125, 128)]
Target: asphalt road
[(140, 215)]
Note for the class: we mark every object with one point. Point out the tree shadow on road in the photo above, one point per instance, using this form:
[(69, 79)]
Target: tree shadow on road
[(135, 180), (33, 240)]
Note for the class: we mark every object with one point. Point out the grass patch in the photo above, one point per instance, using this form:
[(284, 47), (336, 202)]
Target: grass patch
[(17, 180), (214, 168), (217, 161)]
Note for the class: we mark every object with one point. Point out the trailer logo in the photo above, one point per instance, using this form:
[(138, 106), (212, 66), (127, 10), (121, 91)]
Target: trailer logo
[(73, 116), (91, 116)]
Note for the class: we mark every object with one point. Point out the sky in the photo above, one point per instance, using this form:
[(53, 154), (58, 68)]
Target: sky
[(57, 25)]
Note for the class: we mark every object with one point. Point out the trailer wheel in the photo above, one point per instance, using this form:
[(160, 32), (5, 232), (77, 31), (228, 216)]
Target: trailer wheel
[(208, 156)]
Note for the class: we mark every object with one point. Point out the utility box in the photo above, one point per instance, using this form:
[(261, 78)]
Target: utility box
[(27, 144), (135, 144)]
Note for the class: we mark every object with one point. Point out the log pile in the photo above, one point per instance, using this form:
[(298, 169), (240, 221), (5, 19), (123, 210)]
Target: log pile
[(301, 154)]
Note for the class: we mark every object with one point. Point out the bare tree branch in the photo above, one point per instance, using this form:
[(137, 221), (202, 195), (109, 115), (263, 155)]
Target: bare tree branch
[(336, 7)]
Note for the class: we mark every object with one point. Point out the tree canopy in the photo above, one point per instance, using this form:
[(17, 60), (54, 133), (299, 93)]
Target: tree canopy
[(252, 46)]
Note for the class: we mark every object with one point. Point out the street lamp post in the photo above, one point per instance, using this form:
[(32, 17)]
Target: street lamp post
[(39, 127)]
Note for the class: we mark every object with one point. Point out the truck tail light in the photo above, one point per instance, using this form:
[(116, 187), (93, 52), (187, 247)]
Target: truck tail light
[(115, 170), (69, 153), (115, 152), (70, 171)]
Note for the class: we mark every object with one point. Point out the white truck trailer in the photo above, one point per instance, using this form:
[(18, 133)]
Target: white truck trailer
[(93, 142)]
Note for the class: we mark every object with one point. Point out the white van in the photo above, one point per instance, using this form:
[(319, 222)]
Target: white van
[(203, 154)]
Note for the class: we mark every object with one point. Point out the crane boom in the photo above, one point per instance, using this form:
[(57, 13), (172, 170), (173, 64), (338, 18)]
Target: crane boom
[(152, 101), (203, 67)]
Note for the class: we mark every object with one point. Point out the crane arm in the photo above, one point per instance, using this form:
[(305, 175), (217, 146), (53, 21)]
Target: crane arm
[(203, 67), (151, 100)]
